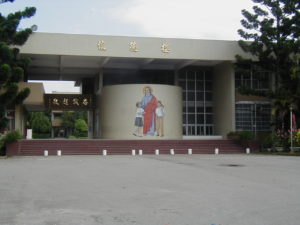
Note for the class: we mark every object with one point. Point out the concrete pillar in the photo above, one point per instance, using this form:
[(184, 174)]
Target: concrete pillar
[(224, 98), (90, 124)]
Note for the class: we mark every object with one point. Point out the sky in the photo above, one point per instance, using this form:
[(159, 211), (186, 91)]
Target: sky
[(196, 19)]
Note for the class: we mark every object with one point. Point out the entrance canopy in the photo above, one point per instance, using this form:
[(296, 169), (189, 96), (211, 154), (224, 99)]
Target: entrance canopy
[(73, 68), (72, 57)]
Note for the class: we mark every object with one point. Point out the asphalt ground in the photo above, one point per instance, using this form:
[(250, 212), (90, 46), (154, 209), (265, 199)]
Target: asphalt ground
[(150, 190)]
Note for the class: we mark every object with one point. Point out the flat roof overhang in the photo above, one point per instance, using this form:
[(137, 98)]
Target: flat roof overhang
[(73, 56), (72, 68)]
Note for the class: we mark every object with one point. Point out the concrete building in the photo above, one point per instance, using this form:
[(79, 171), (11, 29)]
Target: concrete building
[(194, 79)]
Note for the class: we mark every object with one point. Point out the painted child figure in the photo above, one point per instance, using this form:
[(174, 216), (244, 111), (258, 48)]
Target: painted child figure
[(139, 120), (160, 112)]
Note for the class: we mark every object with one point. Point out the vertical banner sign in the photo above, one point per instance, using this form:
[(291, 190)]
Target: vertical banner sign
[(69, 101)]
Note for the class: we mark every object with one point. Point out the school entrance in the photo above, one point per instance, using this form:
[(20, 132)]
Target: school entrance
[(67, 110)]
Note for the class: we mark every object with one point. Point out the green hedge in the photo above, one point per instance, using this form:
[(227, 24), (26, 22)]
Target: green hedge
[(40, 136), (12, 136)]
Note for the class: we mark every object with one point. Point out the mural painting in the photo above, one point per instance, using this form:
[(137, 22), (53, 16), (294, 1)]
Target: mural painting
[(149, 115)]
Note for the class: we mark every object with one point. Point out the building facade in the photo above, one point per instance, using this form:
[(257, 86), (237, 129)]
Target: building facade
[(194, 81)]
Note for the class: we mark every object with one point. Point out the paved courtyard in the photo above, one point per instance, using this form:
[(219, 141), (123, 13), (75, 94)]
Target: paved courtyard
[(150, 190)]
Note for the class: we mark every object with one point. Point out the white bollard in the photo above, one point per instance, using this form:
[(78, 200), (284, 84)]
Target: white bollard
[(46, 153), (247, 150), (190, 151), (104, 152), (132, 152), (140, 152), (172, 151), (29, 134), (216, 151), (156, 152), (59, 152)]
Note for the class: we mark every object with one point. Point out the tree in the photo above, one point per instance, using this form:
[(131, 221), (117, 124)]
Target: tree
[(69, 119), (81, 127), (40, 123), (12, 66), (271, 35)]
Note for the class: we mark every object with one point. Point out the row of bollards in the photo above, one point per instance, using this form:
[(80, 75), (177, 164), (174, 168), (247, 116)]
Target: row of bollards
[(140, 152)]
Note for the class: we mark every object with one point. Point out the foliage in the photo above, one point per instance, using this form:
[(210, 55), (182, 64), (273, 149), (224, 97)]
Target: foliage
[(12, 66), (233, 133), (69, 119), (273, 140), (40, 136), (282, 138), (246, 135), (12, 136), (297, 137), (271, 35), (242, 135), (72, 137), (81, 128), (40, 123)]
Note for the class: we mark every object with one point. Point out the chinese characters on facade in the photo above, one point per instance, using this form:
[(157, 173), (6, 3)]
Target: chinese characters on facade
[(72, 102), (133, 47)]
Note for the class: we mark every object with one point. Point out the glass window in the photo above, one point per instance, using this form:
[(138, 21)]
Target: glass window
[(208, 96), (191, 75), (184, 96), (182, 75), (208, 109), (209, 118), (183, 118), (253, 116), (200, 86), (208, 75), (208, 86), (184, 130), (191, 96), (191, 118), (200, 130), (198, 102), (254, 78), (200, 96), (191, 85), (191, 109), (200, 118), (200, 75), (182, 84), (200, 109)]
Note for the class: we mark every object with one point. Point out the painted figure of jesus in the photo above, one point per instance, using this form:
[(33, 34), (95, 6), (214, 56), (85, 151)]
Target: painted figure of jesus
[(149, 104)]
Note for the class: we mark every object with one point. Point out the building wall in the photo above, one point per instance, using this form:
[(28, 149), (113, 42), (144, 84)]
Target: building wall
[(36, 95), (35, 100), (118, 106), (19, 119), (224, 98), (118, 46)]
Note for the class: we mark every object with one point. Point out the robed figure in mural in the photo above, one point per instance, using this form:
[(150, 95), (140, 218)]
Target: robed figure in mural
[(149, 104)]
